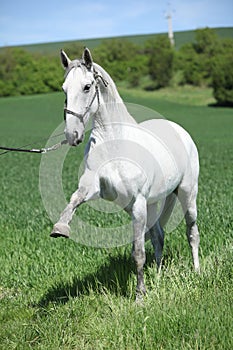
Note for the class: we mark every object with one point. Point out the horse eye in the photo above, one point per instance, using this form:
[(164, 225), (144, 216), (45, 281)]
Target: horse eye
[(87, 87)]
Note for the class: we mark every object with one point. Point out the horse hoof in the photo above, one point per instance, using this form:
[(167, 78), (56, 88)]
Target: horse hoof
[(140, 299), (60, 230), (140, 294)]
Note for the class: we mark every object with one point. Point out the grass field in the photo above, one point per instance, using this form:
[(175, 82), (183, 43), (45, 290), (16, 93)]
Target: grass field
[(57, 294), (180, 39)]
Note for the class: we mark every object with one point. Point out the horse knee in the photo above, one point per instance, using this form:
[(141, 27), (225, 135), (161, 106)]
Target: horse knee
[(193, 235), (139, 258), (139, 255), (77, 197), (191, 217)]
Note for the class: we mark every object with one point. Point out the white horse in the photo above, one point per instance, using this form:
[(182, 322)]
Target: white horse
[(142, 167)]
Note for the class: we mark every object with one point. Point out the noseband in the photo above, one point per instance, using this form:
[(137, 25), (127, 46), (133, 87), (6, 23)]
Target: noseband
[(96, 95)]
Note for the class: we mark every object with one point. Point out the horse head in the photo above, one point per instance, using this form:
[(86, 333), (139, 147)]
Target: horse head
[(82, 95)]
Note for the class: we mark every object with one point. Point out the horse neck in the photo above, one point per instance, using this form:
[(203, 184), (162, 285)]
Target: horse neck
[(112, 111)]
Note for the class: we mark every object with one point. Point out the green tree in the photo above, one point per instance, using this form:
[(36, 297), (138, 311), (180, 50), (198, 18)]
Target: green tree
[(74, 50), (190, 63), (160, 60), (222, 77), (137, 69), (195, 59), (116, 56), (206, 42), (23, 73)]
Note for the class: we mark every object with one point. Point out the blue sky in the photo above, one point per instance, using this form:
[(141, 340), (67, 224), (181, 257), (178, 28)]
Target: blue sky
[(25, 22)]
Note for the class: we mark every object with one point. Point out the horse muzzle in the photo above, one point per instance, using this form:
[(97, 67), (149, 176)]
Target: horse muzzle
[(75, 138)]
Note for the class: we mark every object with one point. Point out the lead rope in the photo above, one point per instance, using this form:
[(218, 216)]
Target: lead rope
[(58, 145), (34, 150)]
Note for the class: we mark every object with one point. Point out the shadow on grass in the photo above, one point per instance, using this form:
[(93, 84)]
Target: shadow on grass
[(112, 277), (218, 104)]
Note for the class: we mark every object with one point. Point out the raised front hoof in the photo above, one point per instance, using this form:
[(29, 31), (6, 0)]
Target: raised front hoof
[(60, 230)]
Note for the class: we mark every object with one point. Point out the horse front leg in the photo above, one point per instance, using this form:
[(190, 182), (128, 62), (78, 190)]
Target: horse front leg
[(62, 228), (139, 217)]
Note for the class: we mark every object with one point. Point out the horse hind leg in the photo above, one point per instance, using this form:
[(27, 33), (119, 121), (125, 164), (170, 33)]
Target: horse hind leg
[(193, 237), (157, 240), (155, 233), (156, 225), (167, 209), (188, 202), (139, 215)]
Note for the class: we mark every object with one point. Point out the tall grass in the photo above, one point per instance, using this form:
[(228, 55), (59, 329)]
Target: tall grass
[(57, 294)]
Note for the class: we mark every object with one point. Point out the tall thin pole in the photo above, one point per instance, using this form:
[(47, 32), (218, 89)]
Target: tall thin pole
[(170, 30)]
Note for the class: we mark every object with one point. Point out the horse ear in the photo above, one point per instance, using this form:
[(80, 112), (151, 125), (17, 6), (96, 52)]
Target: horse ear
[(65, 59), (87, 58)]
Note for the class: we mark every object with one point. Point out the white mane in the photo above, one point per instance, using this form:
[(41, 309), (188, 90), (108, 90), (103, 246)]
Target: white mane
[(112, 98)]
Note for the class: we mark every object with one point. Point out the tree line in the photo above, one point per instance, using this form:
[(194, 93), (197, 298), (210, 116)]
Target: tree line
[(208, 61)]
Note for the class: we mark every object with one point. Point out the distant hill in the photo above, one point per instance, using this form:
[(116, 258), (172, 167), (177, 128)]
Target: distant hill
[(180, 39)]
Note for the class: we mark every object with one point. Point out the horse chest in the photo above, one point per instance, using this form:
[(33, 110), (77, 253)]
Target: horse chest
[(119, 184)]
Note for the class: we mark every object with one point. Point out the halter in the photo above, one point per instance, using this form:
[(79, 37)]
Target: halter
[(81, 117), (96, 95)]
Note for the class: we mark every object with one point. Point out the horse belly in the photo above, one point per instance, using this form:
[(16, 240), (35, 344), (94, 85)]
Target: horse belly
[(165, 181)]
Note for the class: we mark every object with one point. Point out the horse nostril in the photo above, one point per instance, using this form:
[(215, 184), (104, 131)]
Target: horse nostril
[(77, 140)]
